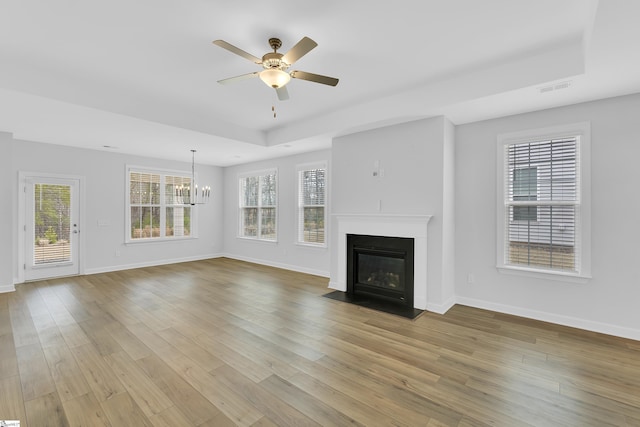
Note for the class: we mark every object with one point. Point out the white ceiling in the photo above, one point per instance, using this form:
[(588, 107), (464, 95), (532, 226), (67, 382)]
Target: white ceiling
[(141, 76)]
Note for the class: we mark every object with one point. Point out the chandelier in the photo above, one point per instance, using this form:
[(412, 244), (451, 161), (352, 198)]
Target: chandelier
[(190, 194)]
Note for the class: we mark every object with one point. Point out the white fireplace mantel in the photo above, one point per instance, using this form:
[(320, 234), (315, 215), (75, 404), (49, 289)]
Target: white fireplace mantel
[(413, 226)]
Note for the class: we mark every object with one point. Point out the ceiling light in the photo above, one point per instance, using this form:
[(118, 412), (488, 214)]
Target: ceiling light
[(189, 194), (274, 77)]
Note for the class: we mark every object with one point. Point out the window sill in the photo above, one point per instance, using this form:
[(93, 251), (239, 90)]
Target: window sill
[(148, 240), (312, 245), (255, 239), (544, 274)]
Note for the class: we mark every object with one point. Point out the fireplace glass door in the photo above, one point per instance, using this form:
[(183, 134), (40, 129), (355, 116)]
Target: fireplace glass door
[(384, 272), (380, 267)]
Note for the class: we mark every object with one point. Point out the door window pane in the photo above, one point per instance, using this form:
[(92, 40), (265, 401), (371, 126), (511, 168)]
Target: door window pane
[(52, 222)]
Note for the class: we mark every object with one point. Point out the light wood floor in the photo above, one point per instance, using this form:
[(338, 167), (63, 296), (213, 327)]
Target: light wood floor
[(222, 342)]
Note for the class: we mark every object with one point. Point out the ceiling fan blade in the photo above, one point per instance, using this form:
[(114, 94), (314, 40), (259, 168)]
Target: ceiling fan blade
[(231, 48), (317, 78), (238, 78), (303, 47), (283, 93)]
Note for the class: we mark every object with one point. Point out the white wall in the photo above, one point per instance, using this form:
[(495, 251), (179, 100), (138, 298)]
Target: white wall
[(416, 159), (284, 253), (609, 301), (409, 154), (104, 175), (7, 184)]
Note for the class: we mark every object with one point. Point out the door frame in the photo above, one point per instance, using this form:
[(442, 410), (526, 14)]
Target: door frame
[(22, 218)]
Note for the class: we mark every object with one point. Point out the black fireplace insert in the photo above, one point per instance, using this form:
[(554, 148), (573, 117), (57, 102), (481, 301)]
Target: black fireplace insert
[(380, 267)]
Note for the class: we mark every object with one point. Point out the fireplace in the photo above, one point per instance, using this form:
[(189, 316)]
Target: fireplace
[(381, 267), (407, 226)]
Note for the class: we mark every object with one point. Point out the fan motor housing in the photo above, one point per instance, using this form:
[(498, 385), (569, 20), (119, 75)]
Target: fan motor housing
[(275, 43), (274, 60)]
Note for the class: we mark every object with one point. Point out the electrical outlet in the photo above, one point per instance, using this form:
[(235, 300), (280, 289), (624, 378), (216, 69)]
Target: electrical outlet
[(471, 279), (117, 252)]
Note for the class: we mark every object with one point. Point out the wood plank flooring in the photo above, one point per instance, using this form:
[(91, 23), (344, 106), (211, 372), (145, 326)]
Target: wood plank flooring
[(223, 342)]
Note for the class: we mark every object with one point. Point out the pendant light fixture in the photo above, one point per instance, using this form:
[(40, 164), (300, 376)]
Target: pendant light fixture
[(191, 194)]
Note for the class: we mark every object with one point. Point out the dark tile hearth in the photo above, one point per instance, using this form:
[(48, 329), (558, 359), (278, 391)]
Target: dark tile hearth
[(375, 304)]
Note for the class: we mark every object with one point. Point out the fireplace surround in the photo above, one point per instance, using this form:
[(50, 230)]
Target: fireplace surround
[(397, 225)]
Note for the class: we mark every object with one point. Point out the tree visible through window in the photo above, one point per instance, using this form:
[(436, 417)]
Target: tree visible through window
[(52, 223), (258, 204), (145, 205), (154, 210), (311, 205)]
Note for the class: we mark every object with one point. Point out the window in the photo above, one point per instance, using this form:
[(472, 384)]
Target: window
[(153, 211), (544, 212), (258, 200), (311, 204), (525, 187)]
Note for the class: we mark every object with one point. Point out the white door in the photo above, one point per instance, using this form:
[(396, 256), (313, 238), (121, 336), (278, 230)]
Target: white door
[(51, 227)]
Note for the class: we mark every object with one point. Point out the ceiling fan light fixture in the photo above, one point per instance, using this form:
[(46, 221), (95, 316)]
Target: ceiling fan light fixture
[(275, 66), (274, 77)]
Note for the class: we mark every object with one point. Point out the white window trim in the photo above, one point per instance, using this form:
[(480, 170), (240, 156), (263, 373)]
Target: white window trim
[(239, 207), (127, 206), (583, 131), (309, 166)]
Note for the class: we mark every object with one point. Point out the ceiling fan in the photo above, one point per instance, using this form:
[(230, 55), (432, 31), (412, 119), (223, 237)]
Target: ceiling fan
[(275, 66)]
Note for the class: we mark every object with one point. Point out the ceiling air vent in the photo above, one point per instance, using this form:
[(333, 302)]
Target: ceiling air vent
[(556, 86)]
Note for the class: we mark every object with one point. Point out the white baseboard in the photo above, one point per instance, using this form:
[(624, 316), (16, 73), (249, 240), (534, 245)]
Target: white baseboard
[(290, 267), (574, 322), (441, 308), (153, 263), (7, 288), (337, 286)]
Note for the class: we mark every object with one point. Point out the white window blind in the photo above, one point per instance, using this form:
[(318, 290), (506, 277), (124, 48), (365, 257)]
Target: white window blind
[(178, 216), (258, 204), (542, 204), (144, 199), (154, 213), (311, 205)]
